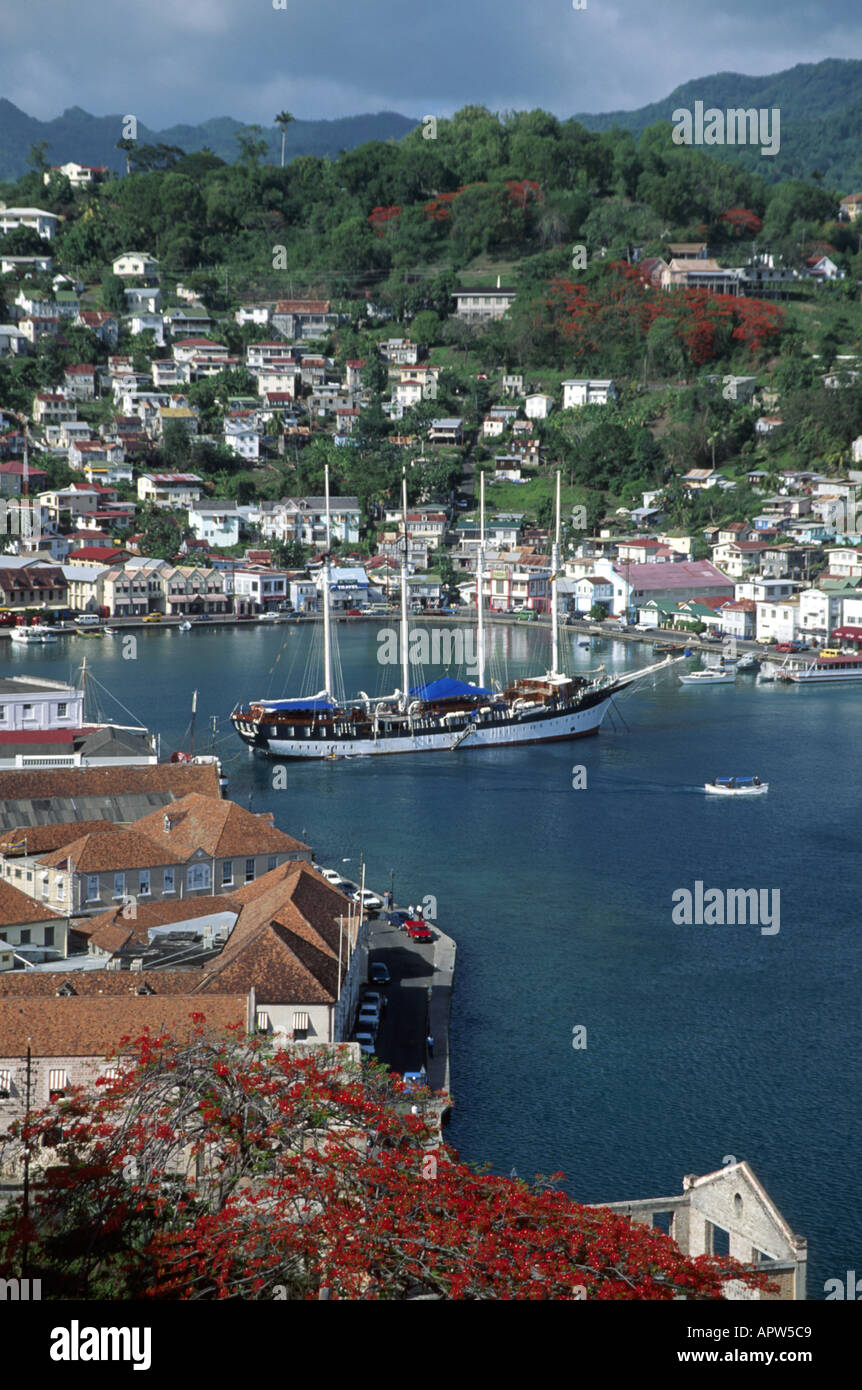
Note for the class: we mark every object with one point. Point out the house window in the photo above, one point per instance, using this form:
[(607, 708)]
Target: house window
[(61, 711), (300, 1026), (119, 885), (227, 872), (49, 936), (262, 1021), (5, 1085), (249, 870), (57, 1083), (144, 884), (169, 881), (92, 888), (198, 876), (24, 938), (27, 711), (271, 863)]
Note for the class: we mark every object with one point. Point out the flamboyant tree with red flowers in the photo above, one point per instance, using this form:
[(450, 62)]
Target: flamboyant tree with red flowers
[(742, 221), (621, 306), (379, 217), (222, 1167)]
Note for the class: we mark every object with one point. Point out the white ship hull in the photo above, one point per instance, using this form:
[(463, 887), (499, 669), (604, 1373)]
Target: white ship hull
[(807, 677), (542, 728)]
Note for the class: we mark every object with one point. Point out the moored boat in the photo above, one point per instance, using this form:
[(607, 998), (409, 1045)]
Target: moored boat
[(30, 636), (710, 676), (439, 715), (828, 665)]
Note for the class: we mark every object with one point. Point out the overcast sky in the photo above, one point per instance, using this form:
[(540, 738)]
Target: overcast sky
[(186, 60)]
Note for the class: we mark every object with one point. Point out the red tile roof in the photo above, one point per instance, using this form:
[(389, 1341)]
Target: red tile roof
[(16, 907), (94, 1027), (159, 778), (221, 828), (102, 851)]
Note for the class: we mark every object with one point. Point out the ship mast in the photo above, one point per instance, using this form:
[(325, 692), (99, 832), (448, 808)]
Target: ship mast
[(555, 569), (327, 572), (480, 575), (405, 664)]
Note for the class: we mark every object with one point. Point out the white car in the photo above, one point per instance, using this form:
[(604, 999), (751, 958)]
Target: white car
[(366, 1043), (331, 875), (369, 899)]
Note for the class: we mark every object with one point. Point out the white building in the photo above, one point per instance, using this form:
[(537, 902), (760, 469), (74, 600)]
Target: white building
[(217, 523), (242, 438), (538, 406), (578, 391), (137, 265), (259, 590), (29, 703), (37, 219), (777, 622), (819, 613), (170, 489)]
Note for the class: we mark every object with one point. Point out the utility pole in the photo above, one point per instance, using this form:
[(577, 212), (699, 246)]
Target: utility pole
[(25, 1246)]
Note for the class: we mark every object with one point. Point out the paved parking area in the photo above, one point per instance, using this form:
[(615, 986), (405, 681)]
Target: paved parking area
[(419, 997)]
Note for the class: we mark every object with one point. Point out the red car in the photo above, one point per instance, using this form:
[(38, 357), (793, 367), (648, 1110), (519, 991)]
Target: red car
[(354, 613), (417, 929), (786, 647)]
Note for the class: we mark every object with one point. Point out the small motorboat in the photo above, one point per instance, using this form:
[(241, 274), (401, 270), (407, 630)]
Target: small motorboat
[(749, 662), (736, 786), (712, 676), (584, 644), (184, 627), (29, 636)]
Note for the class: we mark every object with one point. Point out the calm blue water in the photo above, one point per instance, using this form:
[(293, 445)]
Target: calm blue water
[(702, 1041)]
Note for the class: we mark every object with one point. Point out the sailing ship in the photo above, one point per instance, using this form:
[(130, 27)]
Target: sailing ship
[(443, 714)]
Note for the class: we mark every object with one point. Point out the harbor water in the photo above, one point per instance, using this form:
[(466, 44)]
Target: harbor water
[(703, 1042)]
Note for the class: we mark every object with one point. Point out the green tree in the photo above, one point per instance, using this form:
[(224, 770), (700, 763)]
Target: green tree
[(251, 147), (113, 293)]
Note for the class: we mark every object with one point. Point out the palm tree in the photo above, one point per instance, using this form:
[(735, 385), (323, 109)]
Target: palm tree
[(283, 120)]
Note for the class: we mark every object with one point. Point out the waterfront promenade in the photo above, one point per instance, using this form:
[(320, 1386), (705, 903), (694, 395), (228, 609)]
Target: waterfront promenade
[(419, 998)]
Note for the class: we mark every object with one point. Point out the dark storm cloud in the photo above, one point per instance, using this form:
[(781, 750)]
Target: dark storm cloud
[(187, 60)]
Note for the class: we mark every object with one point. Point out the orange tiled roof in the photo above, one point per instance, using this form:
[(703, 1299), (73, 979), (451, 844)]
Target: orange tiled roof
[(93, 1027), (221, 828)]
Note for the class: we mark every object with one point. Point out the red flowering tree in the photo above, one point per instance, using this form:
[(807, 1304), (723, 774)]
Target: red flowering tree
[(742, 221), (380, 217), (523, 191), (223, 1168), (621, 307)]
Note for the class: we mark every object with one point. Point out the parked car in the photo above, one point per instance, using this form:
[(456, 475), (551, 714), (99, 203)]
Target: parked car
[(366, 1043), (369, 899), (396, 919), (152, 618), (372, 998), (368, 1018), (331, 875), (378, 973), (786, 647), (414, 1079), (354, 612), (417, 929)]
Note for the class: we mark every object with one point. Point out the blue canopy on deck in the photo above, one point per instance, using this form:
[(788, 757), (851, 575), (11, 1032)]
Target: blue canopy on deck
[(447, 688)]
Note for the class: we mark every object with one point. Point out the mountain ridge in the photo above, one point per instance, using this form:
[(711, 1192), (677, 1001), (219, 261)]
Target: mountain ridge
[(820, 106)]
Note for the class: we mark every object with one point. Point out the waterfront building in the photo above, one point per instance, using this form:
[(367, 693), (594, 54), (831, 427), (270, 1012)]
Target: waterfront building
[(727, 1212)]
